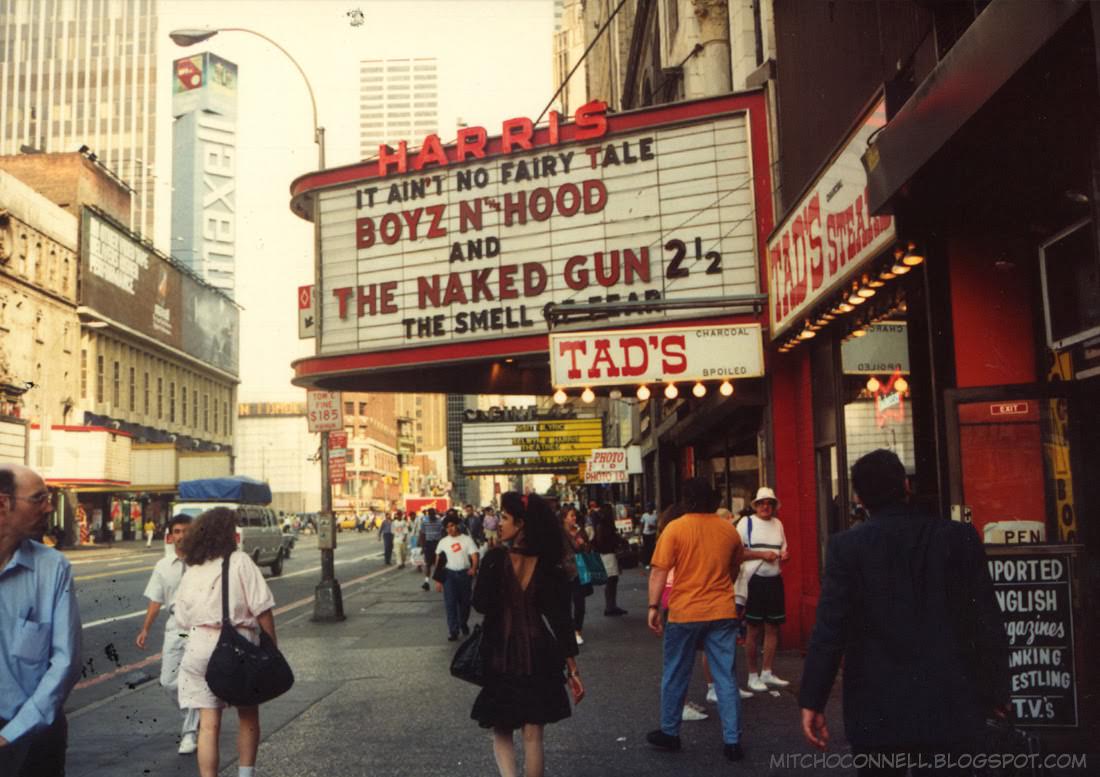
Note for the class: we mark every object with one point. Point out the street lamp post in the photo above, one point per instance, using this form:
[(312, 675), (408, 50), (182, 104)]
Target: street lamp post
[(328, 603)]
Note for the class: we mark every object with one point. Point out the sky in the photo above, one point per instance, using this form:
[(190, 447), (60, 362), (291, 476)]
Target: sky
[(495, 63)]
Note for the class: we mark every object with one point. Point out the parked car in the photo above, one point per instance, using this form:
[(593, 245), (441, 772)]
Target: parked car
[(258, 531)]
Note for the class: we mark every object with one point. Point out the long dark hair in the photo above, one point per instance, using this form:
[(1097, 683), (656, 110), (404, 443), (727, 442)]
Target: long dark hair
[(213, 536), (542, 534)]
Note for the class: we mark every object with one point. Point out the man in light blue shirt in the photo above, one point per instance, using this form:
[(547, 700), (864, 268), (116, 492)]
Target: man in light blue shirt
[(39, 631)]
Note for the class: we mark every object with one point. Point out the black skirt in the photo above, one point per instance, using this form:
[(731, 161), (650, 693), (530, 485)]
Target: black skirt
[(510, 702)]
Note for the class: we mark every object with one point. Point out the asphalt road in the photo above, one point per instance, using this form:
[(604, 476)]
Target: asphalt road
[(110, 583)]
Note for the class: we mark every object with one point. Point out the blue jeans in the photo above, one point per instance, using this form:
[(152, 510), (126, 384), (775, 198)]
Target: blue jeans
[(719, 640), (456, 599)]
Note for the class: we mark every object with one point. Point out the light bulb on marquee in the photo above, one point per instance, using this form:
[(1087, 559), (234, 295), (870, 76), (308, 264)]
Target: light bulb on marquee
[(699, 390), (726, 389), (560, 397), (873, 384), (671, 392), (901, 385), (643, 393), (615, 394), (588, 396)]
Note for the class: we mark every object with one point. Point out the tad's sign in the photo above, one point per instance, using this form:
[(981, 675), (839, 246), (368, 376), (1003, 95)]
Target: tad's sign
[(619, 357)]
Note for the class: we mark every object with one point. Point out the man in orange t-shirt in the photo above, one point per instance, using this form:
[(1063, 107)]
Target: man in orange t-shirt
[(705, 551)]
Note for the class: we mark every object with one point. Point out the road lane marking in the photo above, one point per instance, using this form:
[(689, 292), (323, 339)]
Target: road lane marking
[(92, 681), (113, 573), (138, 613)]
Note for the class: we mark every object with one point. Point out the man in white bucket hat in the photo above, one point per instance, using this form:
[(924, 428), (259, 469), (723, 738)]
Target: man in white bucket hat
[(765, 549)]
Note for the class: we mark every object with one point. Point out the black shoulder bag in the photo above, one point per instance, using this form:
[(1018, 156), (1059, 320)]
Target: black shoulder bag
[(240, 673), (468, 663)]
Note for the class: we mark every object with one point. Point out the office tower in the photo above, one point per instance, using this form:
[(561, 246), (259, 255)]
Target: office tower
[(82, 73), (398, 100), (204, 167)]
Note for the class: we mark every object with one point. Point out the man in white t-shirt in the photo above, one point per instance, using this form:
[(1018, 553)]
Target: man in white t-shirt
[(458, 556), (649, 532), (161, 593), (766, 548), (400, 529)]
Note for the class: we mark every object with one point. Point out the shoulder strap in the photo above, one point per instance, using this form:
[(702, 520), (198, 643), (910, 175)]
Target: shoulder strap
[(749, 542), (225, 589)]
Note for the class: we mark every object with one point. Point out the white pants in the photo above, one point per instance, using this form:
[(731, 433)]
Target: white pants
[(174, 645)]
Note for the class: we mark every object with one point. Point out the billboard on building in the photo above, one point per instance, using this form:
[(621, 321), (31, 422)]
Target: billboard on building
[(204, 82), (470, 244), (128, 282), (204, 167)]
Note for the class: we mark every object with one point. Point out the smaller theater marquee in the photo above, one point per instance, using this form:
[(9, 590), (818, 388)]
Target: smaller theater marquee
[(500, 445)]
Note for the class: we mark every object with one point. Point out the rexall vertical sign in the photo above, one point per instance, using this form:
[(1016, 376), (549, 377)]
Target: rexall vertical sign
[(204, 167)]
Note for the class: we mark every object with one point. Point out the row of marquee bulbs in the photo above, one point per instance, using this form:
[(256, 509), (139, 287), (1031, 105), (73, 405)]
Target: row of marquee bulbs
[(588, 396), (862, 290)]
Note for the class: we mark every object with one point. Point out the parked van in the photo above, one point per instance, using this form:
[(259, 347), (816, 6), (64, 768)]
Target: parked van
[(258, 531)]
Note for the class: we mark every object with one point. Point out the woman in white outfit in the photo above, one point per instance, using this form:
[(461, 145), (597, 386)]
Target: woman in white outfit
[(199, 609)]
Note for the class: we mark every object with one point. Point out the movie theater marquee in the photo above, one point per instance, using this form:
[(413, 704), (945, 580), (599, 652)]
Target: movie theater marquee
[(462, 246)]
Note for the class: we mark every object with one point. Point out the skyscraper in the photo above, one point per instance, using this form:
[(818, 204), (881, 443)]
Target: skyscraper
[(82, 73), (398, 100)]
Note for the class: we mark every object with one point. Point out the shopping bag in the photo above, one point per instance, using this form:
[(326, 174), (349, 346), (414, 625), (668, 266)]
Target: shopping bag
[(590, 569)]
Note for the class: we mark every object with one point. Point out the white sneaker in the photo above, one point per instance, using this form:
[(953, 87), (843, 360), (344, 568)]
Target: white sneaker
[(756, 684), (745, 694), (580, 639), (188, 744), (712, 695), (770, 679), (693, 712)]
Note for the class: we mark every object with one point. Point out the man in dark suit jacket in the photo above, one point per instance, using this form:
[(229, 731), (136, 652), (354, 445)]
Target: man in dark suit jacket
[(908, 603)]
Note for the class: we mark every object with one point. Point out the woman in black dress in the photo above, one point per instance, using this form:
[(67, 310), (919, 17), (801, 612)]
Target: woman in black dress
[(521, 588)]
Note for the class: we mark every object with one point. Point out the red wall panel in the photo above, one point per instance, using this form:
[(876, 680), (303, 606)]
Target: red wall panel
[(992, 313)]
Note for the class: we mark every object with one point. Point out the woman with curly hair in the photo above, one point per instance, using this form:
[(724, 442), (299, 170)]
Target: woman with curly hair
[(199, 609), (528, 646)]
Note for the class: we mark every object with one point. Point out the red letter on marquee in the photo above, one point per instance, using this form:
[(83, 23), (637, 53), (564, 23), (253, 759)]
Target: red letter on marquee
[(398, 157), (516, 133), (590, 120), (430, 151), (342, 297), (603, 356), (470, 143)]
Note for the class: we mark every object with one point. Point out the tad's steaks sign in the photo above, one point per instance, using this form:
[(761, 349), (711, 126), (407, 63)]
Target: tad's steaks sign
[(632, 356), (448, 244)]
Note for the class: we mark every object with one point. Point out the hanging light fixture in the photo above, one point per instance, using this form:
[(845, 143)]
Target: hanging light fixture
[(844, 307), (899, 267), (560, 397), (643, 392), (726, 389), (912, 257), (866, 290), (671, 392), (699, 390), (807, 332), (588, 395), (873, 384)]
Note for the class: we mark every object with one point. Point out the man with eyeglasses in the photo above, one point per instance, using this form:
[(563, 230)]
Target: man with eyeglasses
[(39, 631)]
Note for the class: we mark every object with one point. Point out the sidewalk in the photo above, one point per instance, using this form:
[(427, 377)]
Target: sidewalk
[(393, 709), (374, 696)]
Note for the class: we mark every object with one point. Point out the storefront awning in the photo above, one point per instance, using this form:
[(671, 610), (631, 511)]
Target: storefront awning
[(999, 42)]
